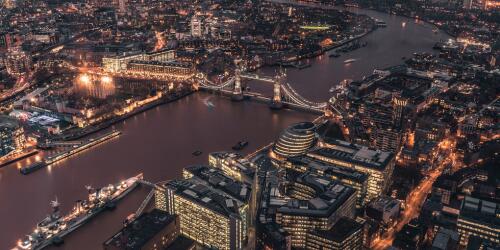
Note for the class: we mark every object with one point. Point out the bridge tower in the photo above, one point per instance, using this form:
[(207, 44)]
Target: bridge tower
[(276, 102), (237, 92)]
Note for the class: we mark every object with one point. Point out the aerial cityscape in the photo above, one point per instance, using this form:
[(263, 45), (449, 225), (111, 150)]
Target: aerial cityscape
[(250, 124)]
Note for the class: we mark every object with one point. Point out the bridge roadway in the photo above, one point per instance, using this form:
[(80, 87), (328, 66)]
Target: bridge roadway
[(263, 99)]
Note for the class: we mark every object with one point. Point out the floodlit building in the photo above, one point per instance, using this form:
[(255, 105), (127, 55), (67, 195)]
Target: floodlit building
[(233, 165), (160, 68), (345, 234), (212, 208), (316, 203), (295, 140), (94, 86), (121, 62), (347, 176), (379, 165)]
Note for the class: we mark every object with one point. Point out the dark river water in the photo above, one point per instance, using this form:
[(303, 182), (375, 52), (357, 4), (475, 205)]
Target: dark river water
[(160, 142)]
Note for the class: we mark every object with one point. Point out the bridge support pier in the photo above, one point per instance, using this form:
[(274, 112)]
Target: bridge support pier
[(237, 92), (276, 102)]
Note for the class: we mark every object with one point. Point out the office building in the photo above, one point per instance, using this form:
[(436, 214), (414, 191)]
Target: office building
[(295, 140), (479, 218), (345, 234), (120, 63), (315, 203), (384, 210), (386, 138), (273, 236), (378, 165), (153, 230), (160, 68), (347, 176), (212, 208), (233, 165)]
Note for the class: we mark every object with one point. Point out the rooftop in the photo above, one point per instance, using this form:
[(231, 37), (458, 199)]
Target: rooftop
[(384, 203), (8, 122), (329, 196), (329, 168), (141, 230), (361, 155), (217, 179), (481, 210), (340, 230), (211, 189)]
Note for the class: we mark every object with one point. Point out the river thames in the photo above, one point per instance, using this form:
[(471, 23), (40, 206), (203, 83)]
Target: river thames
[(159, 142)]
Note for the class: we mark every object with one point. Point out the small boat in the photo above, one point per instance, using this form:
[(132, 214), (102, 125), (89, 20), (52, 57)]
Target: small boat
[(349, 61), (210, 104), (240, 145), (380, 23), (334, 55), (197, 153)]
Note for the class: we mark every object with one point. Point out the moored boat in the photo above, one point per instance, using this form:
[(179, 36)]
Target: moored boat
[(54, 227)]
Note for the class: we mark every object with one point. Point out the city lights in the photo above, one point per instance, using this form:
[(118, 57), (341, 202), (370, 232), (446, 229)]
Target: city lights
[(84, 78), (276, 124)]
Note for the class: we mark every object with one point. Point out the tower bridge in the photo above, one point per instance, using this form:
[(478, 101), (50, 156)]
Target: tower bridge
[(283, 93)]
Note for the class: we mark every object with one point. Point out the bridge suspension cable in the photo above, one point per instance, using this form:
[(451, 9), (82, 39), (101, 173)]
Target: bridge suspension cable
[(296, 98)]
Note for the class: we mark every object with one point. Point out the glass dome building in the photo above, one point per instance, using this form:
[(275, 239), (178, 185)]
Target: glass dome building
[(295, 140)]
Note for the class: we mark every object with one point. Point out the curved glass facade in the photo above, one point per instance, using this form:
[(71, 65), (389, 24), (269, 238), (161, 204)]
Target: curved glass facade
[(295, 140)]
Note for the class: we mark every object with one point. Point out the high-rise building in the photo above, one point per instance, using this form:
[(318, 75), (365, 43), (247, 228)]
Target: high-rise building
[(11, 136), (378, 165), (17, 62), (345, 234), (295, 140), (386, 138), (398, 106), (479, 218), (384, 210), (212, 208), (233, 165), (316, 203), (347, 176)]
